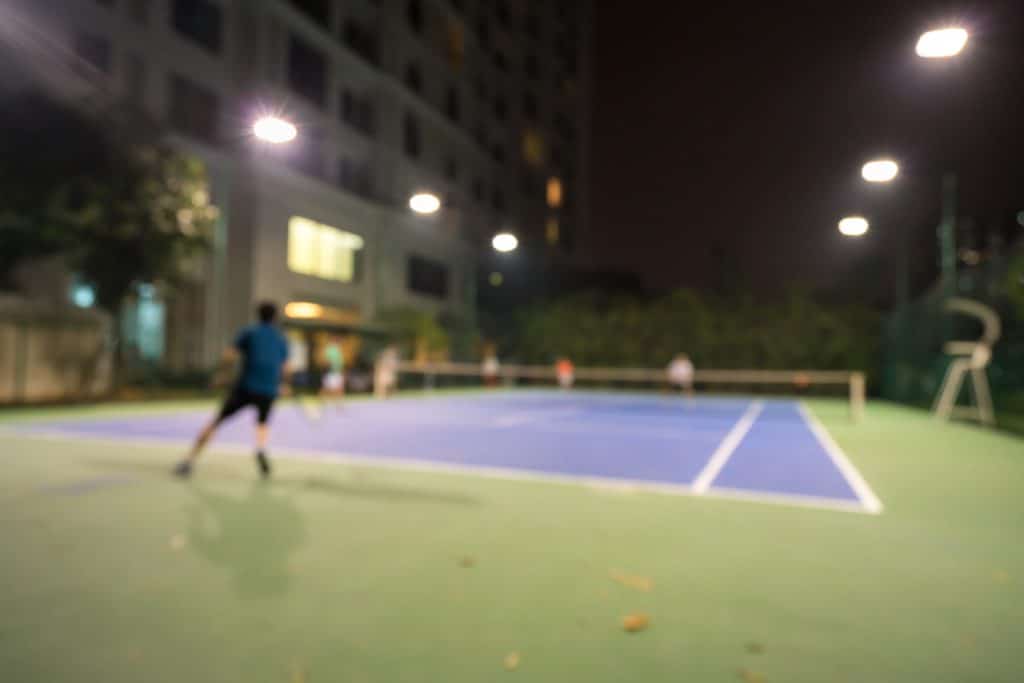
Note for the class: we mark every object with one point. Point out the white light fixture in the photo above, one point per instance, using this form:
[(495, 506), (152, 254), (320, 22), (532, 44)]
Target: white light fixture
[(274, 130), (854, 226), (425, 203), (943, 43), (880, 171), (505, 242)]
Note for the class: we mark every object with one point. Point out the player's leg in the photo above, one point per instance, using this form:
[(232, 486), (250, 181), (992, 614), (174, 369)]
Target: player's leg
[(234, 402), (263, 407)]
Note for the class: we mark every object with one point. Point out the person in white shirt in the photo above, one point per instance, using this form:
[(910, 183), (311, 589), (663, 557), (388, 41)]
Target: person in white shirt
[(490, 368), (385, 380), (680, 374)]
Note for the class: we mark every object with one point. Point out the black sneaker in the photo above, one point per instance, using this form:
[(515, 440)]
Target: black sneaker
[(183, 469), (264, 465)]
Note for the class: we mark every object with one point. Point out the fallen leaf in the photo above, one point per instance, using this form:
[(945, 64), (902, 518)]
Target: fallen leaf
[(640, 583), (511, 661), (755, 648), (751, 676), (634, 623), (177, 541), (299, 674), (467, 562)]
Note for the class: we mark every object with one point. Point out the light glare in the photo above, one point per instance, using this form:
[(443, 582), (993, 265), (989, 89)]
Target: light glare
[(942, 43), (303, 309), (424, 202), (505, 242), (274, 130), (853, 226), (880, 171)]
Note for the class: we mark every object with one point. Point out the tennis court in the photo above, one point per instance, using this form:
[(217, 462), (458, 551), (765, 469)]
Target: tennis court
[(767, 450), (485, 535)]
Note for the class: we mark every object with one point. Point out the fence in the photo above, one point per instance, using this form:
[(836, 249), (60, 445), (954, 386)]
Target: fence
[(742, 380)]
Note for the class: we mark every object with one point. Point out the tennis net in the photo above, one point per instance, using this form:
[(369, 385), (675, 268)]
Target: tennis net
[(784, 383)]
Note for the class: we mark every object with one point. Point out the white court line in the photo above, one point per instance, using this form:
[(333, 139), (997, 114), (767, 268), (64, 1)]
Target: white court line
[(725, 449), (859, 485), (599, 484), (787, 499)]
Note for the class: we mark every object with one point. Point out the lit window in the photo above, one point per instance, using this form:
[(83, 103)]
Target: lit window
[(551, 231), (322, 251), (533, 148), (554, 193)]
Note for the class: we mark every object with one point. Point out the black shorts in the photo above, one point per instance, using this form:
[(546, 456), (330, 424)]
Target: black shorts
[(240, 398)]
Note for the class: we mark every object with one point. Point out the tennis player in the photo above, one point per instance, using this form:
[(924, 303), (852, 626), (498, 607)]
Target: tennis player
[(385, 378), (565, 371), (264, 353), (334, 379), (680, 374), (490, 368)]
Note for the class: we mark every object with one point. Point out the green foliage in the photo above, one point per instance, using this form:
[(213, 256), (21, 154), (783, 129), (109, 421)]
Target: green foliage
[(722, 333), (419, 333), (80, 186), (1015, 282)]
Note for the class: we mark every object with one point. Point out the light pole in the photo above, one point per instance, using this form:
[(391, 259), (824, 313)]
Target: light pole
[(944, 43), (264, 129)]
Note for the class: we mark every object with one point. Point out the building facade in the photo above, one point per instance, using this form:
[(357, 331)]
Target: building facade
[(482, 103)]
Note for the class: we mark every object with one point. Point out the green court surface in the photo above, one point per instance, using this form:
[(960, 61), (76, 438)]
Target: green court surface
[(112, 571)]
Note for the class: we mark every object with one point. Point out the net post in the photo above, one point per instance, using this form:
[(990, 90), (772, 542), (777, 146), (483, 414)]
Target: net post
[(858, 396)]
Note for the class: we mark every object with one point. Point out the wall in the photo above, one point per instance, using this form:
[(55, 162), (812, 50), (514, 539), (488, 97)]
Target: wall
[(50, 354)]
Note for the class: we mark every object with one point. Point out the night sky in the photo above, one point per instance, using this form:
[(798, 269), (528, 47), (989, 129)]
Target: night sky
[(728, 142)]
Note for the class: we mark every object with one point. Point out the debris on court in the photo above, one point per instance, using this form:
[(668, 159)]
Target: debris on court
[(177, 542), (749, 676), (467, 562), (640, 583), (755, 648), (511, 662), (634, 623), (299, 674)]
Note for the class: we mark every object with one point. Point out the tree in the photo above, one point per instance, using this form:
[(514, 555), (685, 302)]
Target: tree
[(103, 192), (1015, 281), (421, 335)]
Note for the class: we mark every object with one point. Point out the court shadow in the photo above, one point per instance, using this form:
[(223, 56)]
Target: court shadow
[(251, 536), (361, 487), (157, 468)]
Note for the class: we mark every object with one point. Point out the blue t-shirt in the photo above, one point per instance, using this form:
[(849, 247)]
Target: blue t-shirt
[(264, 350)]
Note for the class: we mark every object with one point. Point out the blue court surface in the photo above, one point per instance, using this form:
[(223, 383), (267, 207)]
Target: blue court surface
[(761, 450)]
